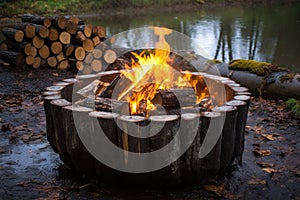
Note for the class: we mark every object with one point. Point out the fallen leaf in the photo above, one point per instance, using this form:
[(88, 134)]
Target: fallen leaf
[(55, 74), (13, 136), (2, 150), (265, 164), (256, 182), (217, 189), (266, 137), (257, 151), (270, 170)]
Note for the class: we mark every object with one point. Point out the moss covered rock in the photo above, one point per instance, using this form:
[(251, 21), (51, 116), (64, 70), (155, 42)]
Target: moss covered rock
[(255, 67), (293, 105)]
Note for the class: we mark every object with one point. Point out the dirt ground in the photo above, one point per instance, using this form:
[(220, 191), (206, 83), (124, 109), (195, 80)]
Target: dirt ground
[(29, 169)]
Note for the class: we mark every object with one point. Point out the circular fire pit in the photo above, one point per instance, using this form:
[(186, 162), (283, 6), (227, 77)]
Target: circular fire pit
[(185, 140)]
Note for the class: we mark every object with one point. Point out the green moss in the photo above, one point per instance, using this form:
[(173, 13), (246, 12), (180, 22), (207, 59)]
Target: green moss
[(286, 77), (255, 67), (215, 61), (293, 105)]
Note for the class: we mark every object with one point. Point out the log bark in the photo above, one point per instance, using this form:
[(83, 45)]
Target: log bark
[(228, 135), (13, 58), (13, 34), (36, 19), (242, 109)]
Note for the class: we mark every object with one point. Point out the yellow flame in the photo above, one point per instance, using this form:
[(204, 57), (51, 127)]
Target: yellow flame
[(151, 72)]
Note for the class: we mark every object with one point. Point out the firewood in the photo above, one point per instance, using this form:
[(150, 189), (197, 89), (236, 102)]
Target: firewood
[(79, 53), (13, 58), (88, 58), (13, 34), (53, 34), (71, 27), (110, 56), (60, 57), (29, 60), (65, 37), (60, 22), (44, 51), (88, 45), (35, 19), (79, 38), (175, 97), (56, 47), (64, 65), (79, 65), (96, 65), (4, 46), (43, 31), (30, 50), (13, 46), (37, 62), (28, 28), (97, 53), (52, 61), (37, 42), (96, 40), (99, 31), (87, 69), (73, 19), (69, 49), (86, 29)]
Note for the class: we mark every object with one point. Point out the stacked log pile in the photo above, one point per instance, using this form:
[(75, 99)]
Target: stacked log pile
[(61, 42)]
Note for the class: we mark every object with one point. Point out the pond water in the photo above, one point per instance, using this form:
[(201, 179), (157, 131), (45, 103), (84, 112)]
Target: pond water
[(263, 33)]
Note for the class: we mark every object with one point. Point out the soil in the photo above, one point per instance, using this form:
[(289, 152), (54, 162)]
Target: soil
[(29, 168)]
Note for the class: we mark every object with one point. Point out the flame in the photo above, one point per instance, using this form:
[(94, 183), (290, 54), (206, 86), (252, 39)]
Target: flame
[(150, 71)]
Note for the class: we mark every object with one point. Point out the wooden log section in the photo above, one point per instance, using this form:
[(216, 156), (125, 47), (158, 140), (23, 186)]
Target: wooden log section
[(88, 45), (65, 37), (71, 27), (73, 19), (58, 132), (67, 91), (53, 34), (68, 49), (30, 50), (48, 97), (96, 41), (110, 56), (240, 129), (83, 161), (79, 65), (37, 62), (245, 98), (210, 131), (28, 28), (13, 34), (52, 61), (8, 45), (60, 57), (42, 31), (79, 38), (44, 52), (29, 60), (13, 58), (87, 29), (228, 135), (96, 65), (99, 31), (97, 53), (105, 121), (111, 105), (37, 42), (56, 47), (175, 97), (88, 58), (60, 22), (64, 65), (79, 53), (36, 19), (165, 127)]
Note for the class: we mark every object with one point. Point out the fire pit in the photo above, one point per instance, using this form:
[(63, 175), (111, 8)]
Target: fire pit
[(148, 123)]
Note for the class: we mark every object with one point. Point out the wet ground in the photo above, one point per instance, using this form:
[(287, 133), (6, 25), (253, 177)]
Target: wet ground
[(29, 169)]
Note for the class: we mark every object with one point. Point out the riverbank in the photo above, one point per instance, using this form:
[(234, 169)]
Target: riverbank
[(117, 7)]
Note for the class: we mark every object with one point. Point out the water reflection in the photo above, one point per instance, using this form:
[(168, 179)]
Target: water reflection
[(269, 33)]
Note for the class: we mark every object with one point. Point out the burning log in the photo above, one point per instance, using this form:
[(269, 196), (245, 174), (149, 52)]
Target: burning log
[(175, 97)]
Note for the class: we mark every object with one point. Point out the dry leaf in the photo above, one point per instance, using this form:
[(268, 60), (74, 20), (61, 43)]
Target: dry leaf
[(267, 137), (270, 170), (217, 189), (257, 151), (265, 164), (256, 182)]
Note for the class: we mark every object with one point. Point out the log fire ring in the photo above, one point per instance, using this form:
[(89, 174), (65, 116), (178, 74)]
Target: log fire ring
[(70, 96)]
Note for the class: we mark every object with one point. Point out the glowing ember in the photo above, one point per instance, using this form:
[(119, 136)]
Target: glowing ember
[(152, 72)]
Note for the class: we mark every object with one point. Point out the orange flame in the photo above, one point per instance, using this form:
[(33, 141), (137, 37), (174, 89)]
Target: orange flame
[(150, 73)]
